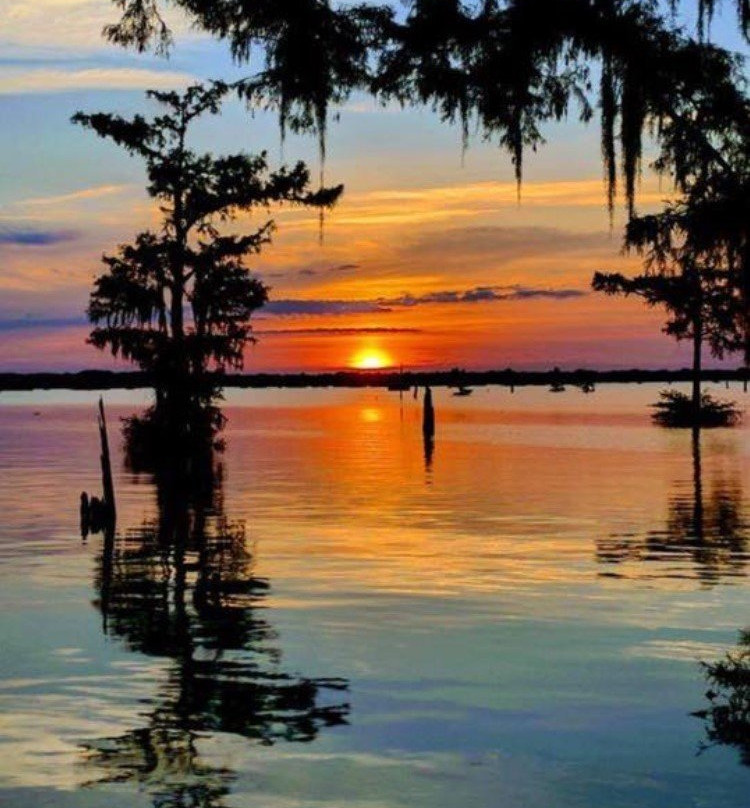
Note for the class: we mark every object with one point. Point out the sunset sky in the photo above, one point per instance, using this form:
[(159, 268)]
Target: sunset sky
[(429, 261)]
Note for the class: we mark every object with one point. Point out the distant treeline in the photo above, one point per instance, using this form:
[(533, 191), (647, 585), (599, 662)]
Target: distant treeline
[(111, 380)]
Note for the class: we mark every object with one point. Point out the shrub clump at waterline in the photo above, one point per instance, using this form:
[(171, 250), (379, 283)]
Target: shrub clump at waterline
[(676, 410)]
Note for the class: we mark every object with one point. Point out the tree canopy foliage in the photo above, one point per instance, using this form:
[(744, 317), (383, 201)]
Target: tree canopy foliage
[(506, 66), (177, 301), (693, 277)]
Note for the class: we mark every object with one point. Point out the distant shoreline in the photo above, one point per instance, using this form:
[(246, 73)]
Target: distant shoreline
[(113, 380)]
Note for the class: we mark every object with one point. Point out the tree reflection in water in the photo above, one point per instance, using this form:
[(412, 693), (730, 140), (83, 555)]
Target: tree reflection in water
[(182, 587), (727, 716), (708, 532)]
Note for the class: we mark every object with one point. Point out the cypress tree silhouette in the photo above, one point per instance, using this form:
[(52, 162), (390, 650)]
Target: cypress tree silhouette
[(695, 281), (178, 302)]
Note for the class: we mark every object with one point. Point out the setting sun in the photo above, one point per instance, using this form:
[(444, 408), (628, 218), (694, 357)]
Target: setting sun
[(371, 359)]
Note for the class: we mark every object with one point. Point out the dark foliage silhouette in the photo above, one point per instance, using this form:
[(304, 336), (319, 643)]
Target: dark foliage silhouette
[(696, 278), (182, 588), (178, 302), (678, 410), (703, 305), (507, 65)]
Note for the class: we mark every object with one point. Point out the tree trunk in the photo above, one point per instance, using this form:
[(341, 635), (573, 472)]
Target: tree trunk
[(697, 356), (178, 328), (177, 384), (745, 287)]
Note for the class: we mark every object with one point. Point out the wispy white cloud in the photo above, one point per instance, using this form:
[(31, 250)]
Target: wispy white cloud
[(678, 650), (96, 192), (54, 22), (62, 24), (55, 80)]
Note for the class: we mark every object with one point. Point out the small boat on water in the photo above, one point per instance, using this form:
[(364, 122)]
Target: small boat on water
[(463, 391)]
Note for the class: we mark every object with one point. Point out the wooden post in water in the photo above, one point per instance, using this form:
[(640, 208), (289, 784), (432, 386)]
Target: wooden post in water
[(108, 486), (428, 429), (428, 416)]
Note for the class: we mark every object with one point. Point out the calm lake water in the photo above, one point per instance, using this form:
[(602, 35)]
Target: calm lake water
[(516, 620)]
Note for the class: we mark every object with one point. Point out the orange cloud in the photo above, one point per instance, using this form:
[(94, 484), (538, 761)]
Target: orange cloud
[(403, 247)]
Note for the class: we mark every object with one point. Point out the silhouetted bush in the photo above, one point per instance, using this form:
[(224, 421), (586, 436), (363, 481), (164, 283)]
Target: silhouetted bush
[(675, 409)]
